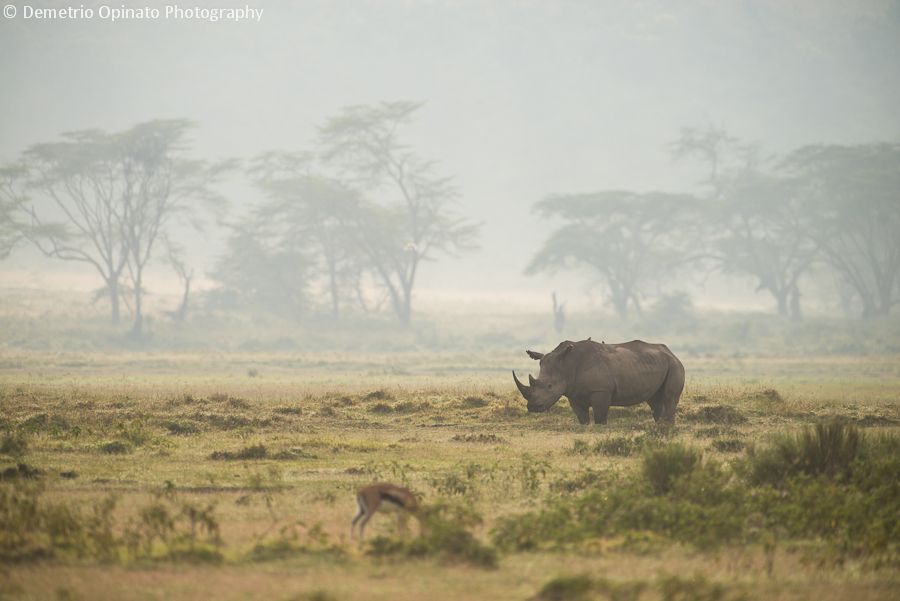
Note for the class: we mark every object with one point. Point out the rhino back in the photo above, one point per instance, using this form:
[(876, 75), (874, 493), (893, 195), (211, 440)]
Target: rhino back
[(632, 372)]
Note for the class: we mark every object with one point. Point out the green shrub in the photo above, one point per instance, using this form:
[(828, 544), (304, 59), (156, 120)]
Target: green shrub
[(257, 451), (473, 402), (660, 430), (22, 470), (317, 595), (664, 465), (728, 445), (14, 444), (378, 395), (617, 446), (587, 478), (580, 447), (381, 408), (115, 447), (32, 528), (445, 534), (828, 449), (695, 588), (677, 497), (181, 428), (532, 473), (567, 588), (479, 438)]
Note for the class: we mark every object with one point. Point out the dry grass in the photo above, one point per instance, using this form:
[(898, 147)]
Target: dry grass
[(325, 434)]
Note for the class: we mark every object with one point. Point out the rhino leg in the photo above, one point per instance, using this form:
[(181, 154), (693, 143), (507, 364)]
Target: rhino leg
[(600, 401), (670, 392), (656, 405), (582, 409)]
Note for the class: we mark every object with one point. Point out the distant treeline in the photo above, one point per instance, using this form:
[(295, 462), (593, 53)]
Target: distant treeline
[(773, 220), (362, 212)]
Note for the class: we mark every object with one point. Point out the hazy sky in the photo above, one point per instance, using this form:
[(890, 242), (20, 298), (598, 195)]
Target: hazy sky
[(523, 99)]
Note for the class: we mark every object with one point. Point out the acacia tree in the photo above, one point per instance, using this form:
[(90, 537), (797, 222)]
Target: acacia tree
[(851, 195), (409, 216), (266, 271), (12, 182), (313, 215), (756, 226), (631, 241), (105, 199)]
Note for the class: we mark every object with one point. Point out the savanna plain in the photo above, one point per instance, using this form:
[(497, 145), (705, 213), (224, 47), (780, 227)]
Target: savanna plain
[(232, 475)]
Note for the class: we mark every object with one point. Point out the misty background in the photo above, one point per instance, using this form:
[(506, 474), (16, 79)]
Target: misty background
[(521, 101)]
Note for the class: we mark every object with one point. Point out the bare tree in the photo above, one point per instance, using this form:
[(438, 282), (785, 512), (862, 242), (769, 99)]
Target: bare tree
[(631, 241), (313, 214), (755, 225), (185, 275), (851, 198), (77, 214), (105, 199), (12, 192), (559, 315), (413, 218)]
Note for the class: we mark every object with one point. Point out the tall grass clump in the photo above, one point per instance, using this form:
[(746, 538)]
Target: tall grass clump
[(33, 528), (674, 495), (663, 466), (446, 534), (14, 443), (827, 449)]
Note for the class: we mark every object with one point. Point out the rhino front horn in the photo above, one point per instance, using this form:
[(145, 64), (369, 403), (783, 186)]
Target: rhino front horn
[(525, 390)]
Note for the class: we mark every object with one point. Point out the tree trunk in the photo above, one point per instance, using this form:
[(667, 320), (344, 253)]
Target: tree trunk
[(182, 310), (620, 303), (335, 306), (870, 311), (138, 317), (795, 304), (781, 298), (112, 284)]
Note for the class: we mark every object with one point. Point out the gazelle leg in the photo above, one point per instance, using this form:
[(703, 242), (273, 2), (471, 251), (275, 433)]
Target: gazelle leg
[(364, 514)]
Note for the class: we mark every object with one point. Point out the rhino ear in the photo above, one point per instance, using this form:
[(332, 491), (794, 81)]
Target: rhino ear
[(589, 338), (535, 356), (567, 350)]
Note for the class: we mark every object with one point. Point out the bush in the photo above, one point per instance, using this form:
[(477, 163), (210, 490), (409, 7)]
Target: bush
[(181, 428), (379, 395), (664, 465), (14, 444), (853, 514), (828, 450), (257, 451), (587, 478), (617, 446), (445, 534), (480, 438), (728, 445), (115, 447), (567, 588), (473, 402)]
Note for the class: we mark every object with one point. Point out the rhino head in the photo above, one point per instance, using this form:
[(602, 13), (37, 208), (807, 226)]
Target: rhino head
[(550, 384)]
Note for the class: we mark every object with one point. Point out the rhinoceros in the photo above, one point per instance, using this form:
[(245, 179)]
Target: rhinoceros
[(600, 376)]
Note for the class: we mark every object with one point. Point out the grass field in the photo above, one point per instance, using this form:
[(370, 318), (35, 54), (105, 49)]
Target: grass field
[(207, 475)]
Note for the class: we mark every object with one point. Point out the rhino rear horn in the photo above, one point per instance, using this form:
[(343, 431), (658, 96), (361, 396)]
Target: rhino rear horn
[(525, 390)]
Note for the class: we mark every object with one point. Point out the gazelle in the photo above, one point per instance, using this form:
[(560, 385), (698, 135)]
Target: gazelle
[(383, 496)]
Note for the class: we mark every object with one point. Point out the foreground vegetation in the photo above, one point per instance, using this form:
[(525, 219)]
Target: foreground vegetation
[(233, 477)]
